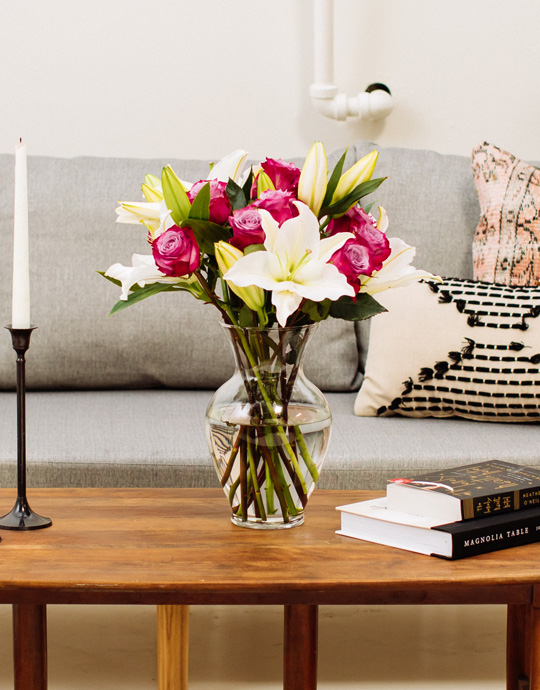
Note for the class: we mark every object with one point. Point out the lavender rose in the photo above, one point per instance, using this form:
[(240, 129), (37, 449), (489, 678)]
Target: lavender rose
[(366, 232), (220, 206), (353, 260), (247, 228), (278, 203), (176, 252), (284, 175)]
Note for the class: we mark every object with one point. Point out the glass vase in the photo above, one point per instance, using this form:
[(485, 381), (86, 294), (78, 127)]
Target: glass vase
[(268, 428)]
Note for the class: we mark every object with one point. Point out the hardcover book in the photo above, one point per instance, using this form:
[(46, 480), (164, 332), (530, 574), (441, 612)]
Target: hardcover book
[(372, 521), (482, 489)]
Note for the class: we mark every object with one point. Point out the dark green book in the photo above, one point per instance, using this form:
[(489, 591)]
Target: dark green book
[(482, 489)]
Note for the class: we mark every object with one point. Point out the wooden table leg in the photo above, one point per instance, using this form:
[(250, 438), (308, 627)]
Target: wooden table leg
[(172, 647), (534, 645), (300, 647), (30, 646), (518, 646)]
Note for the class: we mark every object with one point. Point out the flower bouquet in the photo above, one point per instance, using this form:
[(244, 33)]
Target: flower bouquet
[(275, 249)]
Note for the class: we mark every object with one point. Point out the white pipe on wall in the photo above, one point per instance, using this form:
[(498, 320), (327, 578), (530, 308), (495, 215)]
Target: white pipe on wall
[(373, 104)]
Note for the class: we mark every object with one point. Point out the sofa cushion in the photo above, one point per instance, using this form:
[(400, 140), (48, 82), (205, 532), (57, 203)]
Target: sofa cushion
[(127, 438), (460, 348), (431, 204), (167, 341), (506, 246)]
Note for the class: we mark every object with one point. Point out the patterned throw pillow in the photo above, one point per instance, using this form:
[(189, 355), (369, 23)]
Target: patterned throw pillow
[(460, 348), (506, 245)]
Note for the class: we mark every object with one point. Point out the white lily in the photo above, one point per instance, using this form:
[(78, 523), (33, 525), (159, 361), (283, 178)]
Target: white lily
[(396, 270), (294, 266), (143, 272), (230, 166)]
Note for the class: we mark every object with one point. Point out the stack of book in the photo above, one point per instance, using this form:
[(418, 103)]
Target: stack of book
[(452, 513)]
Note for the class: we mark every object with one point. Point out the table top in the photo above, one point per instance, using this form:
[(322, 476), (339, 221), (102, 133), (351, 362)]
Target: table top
[(153, 546)]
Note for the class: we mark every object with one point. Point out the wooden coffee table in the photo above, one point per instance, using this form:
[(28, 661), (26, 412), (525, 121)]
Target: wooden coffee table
[(177, 547)]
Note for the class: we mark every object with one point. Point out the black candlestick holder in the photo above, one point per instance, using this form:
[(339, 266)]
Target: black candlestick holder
[(22, 517)]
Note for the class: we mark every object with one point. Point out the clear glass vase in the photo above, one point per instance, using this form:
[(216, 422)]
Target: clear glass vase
[(268, 428)]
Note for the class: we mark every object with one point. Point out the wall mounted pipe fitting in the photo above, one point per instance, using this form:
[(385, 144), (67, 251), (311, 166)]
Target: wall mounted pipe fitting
[(375, 103)]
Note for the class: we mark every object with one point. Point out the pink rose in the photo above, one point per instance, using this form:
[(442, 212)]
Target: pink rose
[(353, 260), (364, 227), (220, 206), (247, 227), (278, 203), (284, 175), (176, 252)]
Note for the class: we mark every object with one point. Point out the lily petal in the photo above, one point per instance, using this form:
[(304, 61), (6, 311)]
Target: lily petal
[(262, 269), (330, 245), (396, 270), (230, 166), (286, 303), (143, 272)]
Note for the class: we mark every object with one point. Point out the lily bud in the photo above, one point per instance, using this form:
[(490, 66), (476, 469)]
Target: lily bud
[(314, 178), (226, 257), (139, 212), (360, 172), (264, 183)]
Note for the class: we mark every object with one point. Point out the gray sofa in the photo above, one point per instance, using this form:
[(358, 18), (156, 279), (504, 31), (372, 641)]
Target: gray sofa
[(120, 401)]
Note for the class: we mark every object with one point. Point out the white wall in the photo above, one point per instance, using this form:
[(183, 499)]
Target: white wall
[(197, 78)]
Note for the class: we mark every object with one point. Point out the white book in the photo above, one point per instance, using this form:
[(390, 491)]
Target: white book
[(372, 521)]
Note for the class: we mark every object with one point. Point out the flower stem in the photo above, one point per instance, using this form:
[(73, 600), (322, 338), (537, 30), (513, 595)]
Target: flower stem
[(305, 453), (232, 457), (254, 479), (262, 388), (243, 481)]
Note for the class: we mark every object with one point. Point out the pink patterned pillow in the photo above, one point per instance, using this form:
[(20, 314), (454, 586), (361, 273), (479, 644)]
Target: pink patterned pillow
[(506, 245)]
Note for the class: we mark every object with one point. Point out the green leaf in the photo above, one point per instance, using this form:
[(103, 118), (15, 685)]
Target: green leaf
[(206, 233), (348, 309), (200, 209), (248, 185), (112, 280), (359, 192), (334, 179), (176, 198), (317, 311), (245, 317), (253, 248), (236, 195), (140, 294)]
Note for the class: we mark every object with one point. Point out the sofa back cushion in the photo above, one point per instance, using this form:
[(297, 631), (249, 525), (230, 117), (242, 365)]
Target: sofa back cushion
[(506, 245), (431, 203), (167, 341)]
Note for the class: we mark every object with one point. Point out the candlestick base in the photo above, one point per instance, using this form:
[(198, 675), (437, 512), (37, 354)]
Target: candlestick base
[(22, 517)]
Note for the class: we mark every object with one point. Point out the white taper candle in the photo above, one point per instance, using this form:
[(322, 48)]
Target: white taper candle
[(20, 315)]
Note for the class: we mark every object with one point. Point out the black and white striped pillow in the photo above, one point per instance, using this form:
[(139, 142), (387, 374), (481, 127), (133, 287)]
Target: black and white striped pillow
[(459, 347)]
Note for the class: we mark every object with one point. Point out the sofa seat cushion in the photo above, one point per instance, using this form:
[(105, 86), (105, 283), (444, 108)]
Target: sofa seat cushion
[(157, 438)]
